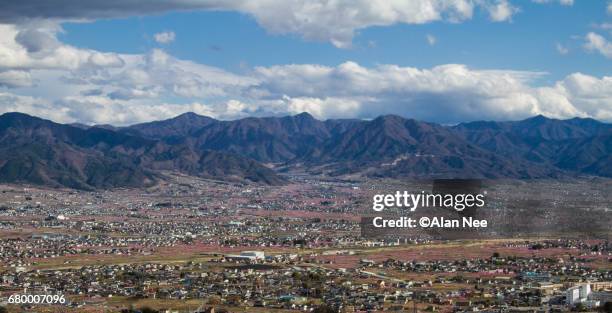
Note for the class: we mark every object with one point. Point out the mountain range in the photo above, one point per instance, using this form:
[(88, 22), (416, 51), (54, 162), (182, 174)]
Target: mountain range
[(259, 150)]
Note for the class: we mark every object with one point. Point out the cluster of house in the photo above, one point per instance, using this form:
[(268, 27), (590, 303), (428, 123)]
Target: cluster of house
[(500, 282), (294, 282)]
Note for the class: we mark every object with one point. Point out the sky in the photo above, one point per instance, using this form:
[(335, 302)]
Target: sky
[(447, 61)]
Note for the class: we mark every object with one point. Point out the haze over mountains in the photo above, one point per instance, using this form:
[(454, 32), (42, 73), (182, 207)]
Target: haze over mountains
[(38, 151)]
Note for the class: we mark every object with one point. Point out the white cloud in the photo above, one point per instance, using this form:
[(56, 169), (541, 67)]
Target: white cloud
[(12, 78), (321, 107), (501, 11), (590, 96), (96, 109), (164, 37), (454, 89), (561, 49), (350, 78), (596, 42), (34, 106), (431, 40), (102, 110), (609, 9), (447, 93), (159, 74), (34, 46), (337, 21)]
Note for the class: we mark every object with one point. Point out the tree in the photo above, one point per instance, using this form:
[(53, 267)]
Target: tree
[(580, 307)]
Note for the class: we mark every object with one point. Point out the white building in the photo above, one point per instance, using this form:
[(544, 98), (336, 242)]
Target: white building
[(581, 294), (246, 255), (572, 295), (258, 255)]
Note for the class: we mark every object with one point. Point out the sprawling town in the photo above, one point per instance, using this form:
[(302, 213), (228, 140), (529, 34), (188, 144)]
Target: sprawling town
[(196, 245)]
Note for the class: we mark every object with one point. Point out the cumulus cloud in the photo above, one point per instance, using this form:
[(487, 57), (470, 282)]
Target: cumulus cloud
[(447, 93), (38, 36), (501, 11), (97, 109), (459, 92), (322, 108), (35, 46), (164, 37), (596, 42), (591, 96), (156, 74), (14, 79), (10, 102), (102, 110), (337, 21), (322, 20)]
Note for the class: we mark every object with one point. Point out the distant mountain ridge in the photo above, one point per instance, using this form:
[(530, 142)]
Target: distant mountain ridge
[(38, 151), (531, 148)]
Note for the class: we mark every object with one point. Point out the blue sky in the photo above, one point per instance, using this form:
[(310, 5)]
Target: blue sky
[(445, 61)]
